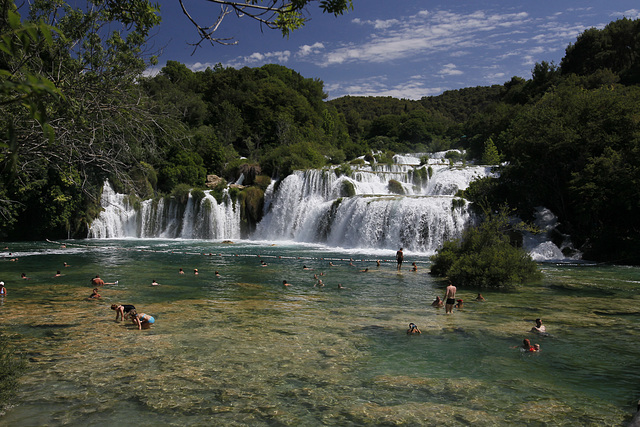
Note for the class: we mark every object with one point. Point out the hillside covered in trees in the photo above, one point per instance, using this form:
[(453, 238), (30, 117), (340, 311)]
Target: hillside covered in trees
[(76, 111)]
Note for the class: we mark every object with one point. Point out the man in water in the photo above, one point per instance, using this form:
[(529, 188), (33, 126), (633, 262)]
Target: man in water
[(97, 281), (450, 298), (399, 258), (539, 328)]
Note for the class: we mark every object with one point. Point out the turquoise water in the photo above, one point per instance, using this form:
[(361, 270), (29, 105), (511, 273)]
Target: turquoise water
[(240, 349)]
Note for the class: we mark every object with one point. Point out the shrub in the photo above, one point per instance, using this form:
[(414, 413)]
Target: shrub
[(484, 256), (343, 169), (357, 162), (181, 193), (347, 189), (395, 187)]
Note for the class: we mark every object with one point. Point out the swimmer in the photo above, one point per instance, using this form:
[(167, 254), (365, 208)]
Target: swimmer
[(195, 271), (304, 267), (263, 264), (539, 328), (319, 284), (144, 321), (181, 271), (285, 284), (331, 264), (413, 329), (24, 276), (97, 281), (415, 267), (437, 303), (450, 298), (217, 274), (479, 297), (364, 271), (378, 263), (459, 304), (154, 283), (57, 274), (95, 294), (536, 347), (340, 286), (65, 264), (526, 345), (122, 310), (3, 290)]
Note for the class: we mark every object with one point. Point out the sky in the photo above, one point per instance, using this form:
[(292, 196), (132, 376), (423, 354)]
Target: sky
[(399, 48)]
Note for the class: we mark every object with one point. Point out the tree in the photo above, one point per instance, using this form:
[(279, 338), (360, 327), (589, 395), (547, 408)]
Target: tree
[(283, 15), (485, 257)]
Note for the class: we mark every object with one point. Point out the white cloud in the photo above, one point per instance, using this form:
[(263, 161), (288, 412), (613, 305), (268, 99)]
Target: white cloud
[(450, 70), (306, 49), (257, 59), (425, 33), (412, 88)]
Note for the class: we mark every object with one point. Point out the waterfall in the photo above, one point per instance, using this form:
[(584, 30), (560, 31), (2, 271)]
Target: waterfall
[(359, 209), (312, 206), (166, 218)]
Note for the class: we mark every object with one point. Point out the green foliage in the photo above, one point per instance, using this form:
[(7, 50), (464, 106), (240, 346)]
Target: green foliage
[(357, 162), (181, 193), (343, 169), (490, 156), (615, 48), (262, 182), (484, 257), (424, 160), (395, 187), (185, 168), (347, 189), (251, 201), (420, 176), (12, 366)]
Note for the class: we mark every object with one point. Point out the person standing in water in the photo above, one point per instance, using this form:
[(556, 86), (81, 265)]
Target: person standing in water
[(450, 298), (399, 258), (3, 290)]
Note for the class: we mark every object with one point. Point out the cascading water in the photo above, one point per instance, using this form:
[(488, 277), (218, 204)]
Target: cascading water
[(361, 209), (166, 218)]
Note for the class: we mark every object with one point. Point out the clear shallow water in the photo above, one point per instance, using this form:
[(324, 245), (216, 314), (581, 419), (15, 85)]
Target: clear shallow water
[(242, 350)]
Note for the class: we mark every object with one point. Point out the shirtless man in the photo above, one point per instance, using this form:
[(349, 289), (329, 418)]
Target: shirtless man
[(97, 281), (450, 298), (399, 258)]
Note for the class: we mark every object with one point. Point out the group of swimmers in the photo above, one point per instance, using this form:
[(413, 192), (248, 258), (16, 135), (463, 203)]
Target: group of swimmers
[(124, 311)]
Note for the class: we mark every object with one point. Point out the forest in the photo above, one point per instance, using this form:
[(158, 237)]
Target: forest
[(76, 110)]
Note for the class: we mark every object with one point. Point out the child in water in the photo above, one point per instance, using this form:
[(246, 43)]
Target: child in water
[(413, 329)]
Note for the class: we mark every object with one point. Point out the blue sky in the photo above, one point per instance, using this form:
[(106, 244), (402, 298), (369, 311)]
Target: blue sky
[(400, 48)]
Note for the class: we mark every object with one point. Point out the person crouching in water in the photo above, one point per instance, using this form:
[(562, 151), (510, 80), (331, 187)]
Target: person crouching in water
[(144, 321), (122, 310)]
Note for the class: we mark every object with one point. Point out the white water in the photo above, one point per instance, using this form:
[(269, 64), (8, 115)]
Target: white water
[(314, 206), (165, 218)]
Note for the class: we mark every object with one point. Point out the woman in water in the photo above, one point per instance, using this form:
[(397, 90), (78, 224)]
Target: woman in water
[(144, 321)]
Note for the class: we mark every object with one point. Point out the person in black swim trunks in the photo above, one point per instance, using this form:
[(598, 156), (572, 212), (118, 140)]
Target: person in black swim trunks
[(450, 298), (122, 310)]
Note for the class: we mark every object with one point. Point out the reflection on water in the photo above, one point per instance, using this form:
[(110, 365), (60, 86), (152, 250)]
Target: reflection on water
[(240, 349)]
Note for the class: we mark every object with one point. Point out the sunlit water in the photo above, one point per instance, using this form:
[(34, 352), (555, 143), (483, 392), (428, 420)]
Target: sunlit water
[(241, 349)]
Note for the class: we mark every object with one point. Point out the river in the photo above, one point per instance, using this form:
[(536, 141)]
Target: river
[(241, 349)]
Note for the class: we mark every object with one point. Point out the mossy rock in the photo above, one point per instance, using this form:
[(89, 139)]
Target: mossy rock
[(396, 187)]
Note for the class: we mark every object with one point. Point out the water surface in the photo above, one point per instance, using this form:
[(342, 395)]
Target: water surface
[(240, 349)]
